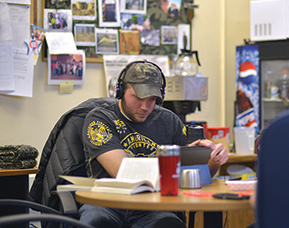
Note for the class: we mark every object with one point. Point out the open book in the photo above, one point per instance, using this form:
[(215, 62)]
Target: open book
[(135, 175)]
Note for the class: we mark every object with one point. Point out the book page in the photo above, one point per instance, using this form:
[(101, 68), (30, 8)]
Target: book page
[(72, 188), (125, 191), (123, 183), (81, 181), (139, 169)]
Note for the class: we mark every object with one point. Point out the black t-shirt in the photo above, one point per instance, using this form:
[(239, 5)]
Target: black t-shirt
[(105, 128)]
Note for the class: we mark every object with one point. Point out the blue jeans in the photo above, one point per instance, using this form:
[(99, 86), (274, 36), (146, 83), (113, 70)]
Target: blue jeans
[(103, 217)]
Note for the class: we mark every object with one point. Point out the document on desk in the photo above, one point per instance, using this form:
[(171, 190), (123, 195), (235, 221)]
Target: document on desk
[(78, 183), (135, 175), (23, 69)]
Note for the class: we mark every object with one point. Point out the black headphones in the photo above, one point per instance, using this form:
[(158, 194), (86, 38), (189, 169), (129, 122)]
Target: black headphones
[(119, 85)]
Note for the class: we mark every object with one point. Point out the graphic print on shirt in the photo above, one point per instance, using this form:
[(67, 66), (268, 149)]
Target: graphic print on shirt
[(185, 131), (98, 133), (120, 126), (135, 141)]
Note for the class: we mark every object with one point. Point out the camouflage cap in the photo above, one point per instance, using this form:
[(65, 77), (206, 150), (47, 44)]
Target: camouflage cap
[(145, 79)]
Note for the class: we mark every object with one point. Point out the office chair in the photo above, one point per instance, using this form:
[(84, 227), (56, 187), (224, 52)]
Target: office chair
[(62, 155), (56, 219), (272, 207), (28, 204), (51, 216)]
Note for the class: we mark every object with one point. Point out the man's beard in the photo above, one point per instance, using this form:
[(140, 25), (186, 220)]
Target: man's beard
[(128, 112)]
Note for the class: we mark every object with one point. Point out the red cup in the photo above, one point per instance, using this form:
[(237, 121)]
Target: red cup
[(169, 166)]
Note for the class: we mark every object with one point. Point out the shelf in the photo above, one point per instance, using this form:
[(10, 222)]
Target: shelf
[(286, 102), (272, 100)]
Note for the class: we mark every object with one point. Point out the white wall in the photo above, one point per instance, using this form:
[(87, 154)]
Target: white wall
[(237, 28), (218, 27), (30, 120), (207, 40)]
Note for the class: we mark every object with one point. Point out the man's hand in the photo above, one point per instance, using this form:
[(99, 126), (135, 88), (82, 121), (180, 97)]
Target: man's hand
[(219, 155)]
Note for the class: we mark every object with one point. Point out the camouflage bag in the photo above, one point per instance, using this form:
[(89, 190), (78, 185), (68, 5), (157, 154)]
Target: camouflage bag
[(18, 156)]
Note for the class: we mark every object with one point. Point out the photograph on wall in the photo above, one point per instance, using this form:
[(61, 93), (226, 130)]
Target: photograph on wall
[(247, 86), (126, 20), (171, 7), (174, 7), (58, 4), (109, 15), (169, 34), (84, 34), (106, 41), (66, 67), (38, 32), (159, 18), (84, 10), (150, 37), (57, 20), (141, 22), (184, 37), (133, 6), (128, 41)]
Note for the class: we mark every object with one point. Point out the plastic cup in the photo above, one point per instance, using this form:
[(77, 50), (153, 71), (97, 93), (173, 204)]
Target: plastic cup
[(244, 140)]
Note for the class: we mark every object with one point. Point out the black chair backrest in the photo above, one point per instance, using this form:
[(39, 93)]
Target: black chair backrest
[(273, 180), (24, 218), (63, 152), (28, 204)]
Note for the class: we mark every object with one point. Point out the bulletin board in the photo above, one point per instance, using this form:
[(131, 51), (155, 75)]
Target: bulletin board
[(33, 12), (160, 22)]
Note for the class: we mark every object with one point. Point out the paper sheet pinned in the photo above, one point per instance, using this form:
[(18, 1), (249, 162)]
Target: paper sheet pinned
[(60, 42), (23, 69), (66, 87)]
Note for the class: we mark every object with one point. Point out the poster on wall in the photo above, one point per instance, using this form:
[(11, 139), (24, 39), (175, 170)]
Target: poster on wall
[(106, 41), (109, 15), (84, 10), (66, 67), (247, 86), (84, 34), (130, 6), (57, 20), (114, 64)]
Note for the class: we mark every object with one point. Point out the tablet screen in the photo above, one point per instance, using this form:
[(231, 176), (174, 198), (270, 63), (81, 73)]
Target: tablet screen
[(195, 155)]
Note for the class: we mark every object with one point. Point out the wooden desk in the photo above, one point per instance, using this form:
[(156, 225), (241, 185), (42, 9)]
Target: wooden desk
[(17, 172), (154, 201), (14, 184), (240, 218)]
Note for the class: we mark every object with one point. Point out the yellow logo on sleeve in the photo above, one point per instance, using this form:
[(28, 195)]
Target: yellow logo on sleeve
[(185, 131), (98, 133)]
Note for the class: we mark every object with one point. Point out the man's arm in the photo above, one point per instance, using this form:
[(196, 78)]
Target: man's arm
[(219, 155), (111, 161)]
